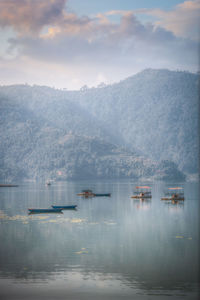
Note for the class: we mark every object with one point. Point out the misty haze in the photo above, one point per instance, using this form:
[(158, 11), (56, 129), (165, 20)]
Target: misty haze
[(99, 150)]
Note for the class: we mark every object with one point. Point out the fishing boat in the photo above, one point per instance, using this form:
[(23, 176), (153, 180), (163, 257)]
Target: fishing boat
[(64, 207), (86, 193), (102, 195), (44, 210), (89, 193), (142, 192), (8, 185), (174, 194)]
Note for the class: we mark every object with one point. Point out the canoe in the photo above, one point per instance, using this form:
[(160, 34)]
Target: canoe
[(45, 210), (141, 197), (64, 207), (102, 195)]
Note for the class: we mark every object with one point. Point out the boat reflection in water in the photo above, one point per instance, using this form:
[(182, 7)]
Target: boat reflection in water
[(174, 205), (142, 203)]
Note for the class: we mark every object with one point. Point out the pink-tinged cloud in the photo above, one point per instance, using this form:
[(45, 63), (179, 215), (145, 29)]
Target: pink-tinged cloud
[(183, 20), (127, 42), (49, 35), (29, 16)]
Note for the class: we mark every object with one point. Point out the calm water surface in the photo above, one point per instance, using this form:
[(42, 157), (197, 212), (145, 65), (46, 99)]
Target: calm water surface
[(110, 248)]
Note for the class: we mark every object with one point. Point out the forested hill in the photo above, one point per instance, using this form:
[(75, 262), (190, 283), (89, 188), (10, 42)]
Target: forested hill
[(155, 111), (140, 127)]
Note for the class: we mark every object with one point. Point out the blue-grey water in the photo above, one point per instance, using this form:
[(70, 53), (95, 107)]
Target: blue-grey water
[(110, 248)]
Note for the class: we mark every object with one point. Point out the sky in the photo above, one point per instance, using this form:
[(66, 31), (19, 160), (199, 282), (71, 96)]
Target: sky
[(72, 43)]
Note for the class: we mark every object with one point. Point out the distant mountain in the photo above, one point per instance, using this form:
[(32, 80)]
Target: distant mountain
[(156, 111), (34, 152), (57, 109), (144, 126), (32, 149)]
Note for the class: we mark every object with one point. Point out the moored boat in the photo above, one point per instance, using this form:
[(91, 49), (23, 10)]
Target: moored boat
[(45, 210), (173, 198), (64, 206), (174, 194), (8, 185), (102, 195), (86, 193), (141, 196), (89, 193), (142, 192)]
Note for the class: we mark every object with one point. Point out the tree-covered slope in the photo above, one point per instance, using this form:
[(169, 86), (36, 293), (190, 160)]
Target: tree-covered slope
[(56, 108), (31, 148), (145, 119), (155, 111)]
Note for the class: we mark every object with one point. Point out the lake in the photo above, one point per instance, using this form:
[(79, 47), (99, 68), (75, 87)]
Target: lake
[(109, 248)]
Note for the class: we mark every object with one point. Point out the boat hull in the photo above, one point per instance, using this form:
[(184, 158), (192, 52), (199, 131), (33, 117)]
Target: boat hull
[(44, 210), (64, 207), (102, 195), (8, 185), (174, 199), (141, 197), (87, 195)]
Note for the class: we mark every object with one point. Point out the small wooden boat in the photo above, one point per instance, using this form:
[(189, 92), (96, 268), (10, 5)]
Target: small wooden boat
[(64, 207), (174, 194), (8, 185), (44, 210), (142, 192), (177, 198), (86, 193), (142, 196), (102, 195), (89, 193)]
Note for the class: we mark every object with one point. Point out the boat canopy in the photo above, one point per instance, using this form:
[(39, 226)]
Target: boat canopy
[(143, 187), (175, 188)]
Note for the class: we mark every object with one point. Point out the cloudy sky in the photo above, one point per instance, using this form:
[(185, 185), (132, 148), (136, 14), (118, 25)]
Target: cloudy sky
[(70, 43)]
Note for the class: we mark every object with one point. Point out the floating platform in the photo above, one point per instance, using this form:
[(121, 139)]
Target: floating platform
[(142, 197), (173, 199)]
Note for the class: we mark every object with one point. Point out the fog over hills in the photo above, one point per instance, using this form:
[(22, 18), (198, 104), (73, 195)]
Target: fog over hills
[(144, 126)]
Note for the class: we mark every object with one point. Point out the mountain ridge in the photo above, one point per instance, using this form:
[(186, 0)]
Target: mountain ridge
[(136, 116), (164, 103)]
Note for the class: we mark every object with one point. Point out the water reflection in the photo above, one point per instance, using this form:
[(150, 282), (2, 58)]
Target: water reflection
[(142, 203), (120, 246), (175, 206)]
